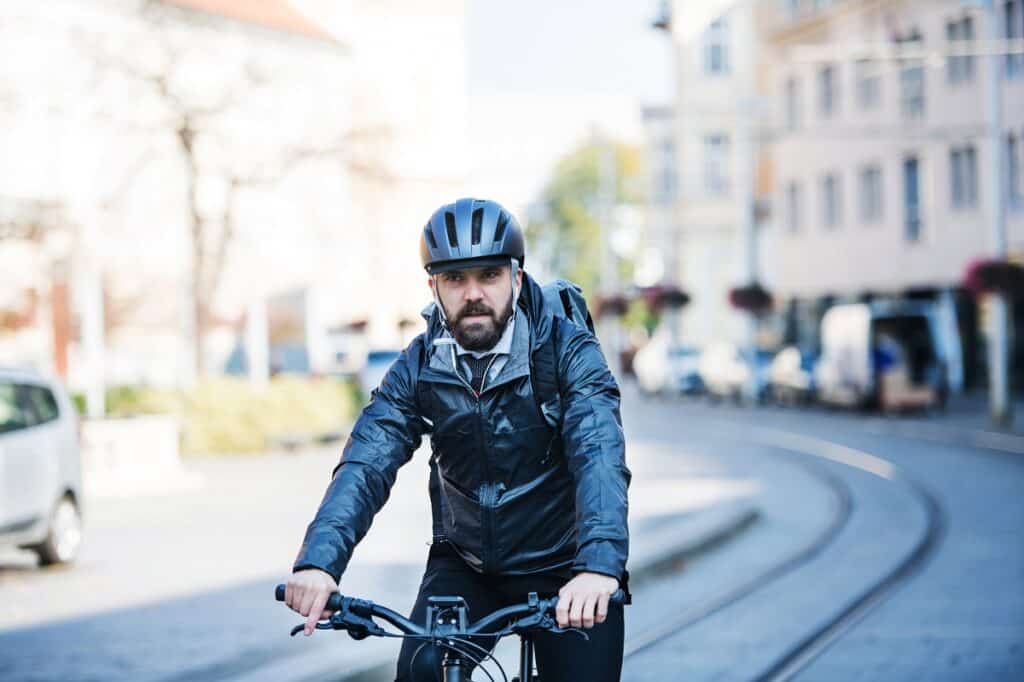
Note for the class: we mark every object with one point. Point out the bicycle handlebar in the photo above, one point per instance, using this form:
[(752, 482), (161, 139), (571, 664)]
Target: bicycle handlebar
[(367, 610)]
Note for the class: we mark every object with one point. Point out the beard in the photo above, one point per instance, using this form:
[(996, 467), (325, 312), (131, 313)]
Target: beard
[(480, 334)]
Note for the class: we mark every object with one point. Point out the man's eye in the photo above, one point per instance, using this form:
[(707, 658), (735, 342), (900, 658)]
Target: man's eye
[(491, 274)]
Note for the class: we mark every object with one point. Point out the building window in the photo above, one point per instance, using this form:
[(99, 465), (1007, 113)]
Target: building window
[(828, 95), (868, 84), (912, 77), (831, 201), (963, 172), (716, 156), (1014, 191), (1013, 22), (871, 194), (792, 99), (793, 207), (716, 48), (911, 200), (960, 34)]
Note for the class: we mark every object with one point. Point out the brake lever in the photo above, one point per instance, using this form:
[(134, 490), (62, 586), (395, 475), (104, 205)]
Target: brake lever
[(356, 626), (321, 625), (562, 631), (543, 621)]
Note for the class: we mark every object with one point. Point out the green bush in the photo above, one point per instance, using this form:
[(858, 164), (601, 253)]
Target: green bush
[(228, 415)]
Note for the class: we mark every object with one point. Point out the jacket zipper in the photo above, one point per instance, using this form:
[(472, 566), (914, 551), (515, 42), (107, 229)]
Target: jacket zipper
[(487, 522), (487, 494)]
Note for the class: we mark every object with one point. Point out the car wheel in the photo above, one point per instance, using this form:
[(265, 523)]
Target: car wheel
[(64, 537)]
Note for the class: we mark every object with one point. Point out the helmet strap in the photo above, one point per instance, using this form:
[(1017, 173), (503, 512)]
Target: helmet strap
[(440, 308), (516, 290)]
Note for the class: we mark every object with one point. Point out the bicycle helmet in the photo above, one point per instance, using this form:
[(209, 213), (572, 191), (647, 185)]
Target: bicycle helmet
[(470, 233)]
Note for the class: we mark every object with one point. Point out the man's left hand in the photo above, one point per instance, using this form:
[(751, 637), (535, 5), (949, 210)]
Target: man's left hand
[(583, 600)]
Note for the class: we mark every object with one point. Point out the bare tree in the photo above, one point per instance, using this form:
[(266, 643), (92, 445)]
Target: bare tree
[(190, 123)]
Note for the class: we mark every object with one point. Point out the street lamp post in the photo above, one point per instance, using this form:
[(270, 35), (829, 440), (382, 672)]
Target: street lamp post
[(999, 389), (609, 282)]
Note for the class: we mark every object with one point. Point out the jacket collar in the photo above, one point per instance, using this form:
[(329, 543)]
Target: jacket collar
[(532, 328), (531, 304)]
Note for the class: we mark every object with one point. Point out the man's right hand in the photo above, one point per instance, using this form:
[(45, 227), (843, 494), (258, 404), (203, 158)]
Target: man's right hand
[(307, 592)]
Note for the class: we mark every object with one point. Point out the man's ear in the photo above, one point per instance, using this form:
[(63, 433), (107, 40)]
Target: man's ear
[(430, 284)]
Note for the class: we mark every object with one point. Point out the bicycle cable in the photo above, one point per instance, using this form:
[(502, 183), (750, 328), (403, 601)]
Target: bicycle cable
[(446, 642)]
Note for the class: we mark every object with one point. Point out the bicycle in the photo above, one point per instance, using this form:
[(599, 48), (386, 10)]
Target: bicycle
[(447, 626)]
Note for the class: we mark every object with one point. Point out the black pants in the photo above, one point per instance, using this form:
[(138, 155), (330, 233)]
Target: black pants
[(560, 657)]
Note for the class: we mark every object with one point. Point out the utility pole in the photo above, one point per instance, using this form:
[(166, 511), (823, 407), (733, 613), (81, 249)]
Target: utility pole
[(606, 197), (257, 342), (999, 384), (746, 156)]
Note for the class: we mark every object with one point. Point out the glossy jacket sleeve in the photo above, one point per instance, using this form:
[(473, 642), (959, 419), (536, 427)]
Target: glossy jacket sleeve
[(594, 446), (383, 439)]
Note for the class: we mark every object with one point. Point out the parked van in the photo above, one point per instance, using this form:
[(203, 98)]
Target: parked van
[(881, 354), (40, 467)]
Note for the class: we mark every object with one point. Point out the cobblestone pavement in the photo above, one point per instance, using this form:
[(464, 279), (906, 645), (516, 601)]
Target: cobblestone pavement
[(960, 618)]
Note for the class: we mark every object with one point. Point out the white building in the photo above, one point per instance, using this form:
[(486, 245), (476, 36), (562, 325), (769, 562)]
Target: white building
[(717, 134), (102, 100), (882, 167)]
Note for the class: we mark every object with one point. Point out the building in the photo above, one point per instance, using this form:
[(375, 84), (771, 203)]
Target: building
[(718, 132), (192, 148), (321, 140), (658, 262), (883, 165)]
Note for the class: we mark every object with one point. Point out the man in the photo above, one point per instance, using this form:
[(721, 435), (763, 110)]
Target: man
[(527, 497)]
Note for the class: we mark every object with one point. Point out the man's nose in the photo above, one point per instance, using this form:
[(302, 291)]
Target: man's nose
[(473, 290)]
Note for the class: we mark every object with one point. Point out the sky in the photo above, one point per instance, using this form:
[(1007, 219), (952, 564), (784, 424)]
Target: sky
[(543, 77), (568, 46)]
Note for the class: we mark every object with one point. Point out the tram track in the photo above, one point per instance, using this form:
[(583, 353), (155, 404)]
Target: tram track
[(801, 653)]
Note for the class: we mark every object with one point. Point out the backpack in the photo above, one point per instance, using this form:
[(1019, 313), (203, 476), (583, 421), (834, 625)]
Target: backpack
[(563, 299)]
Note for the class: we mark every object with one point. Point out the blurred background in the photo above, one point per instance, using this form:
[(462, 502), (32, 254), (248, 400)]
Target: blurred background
[(209, 218)]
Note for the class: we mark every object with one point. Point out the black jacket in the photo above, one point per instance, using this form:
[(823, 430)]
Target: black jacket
[(516, 494)]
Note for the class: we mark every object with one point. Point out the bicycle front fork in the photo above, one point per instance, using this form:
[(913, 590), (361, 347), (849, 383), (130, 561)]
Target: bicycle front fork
[(525, 659), (454, 671)]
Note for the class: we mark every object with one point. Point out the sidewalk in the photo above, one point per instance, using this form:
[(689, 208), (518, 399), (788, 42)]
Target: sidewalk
[(965, 421), (178, 586), (971, 411)]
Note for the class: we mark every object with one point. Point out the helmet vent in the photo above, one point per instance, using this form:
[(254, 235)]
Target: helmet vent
[(478, 219), (499, 231), (430, 237), (453, 236)]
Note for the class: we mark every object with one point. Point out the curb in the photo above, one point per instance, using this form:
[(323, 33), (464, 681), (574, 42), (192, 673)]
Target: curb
[(659, 554), (663, 552)]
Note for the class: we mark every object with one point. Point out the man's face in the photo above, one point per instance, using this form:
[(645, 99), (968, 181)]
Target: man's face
[(477, 303)]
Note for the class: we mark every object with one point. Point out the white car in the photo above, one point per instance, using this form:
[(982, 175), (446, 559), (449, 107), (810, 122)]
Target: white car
[(672, 370), (40, 467), (731, 372)]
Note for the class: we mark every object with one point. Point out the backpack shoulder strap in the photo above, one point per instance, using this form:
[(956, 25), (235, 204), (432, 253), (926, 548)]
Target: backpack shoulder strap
[(544, 377)]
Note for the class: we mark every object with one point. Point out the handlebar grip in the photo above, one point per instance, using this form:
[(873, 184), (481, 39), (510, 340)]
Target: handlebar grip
[(618, 598), (333, 602)]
